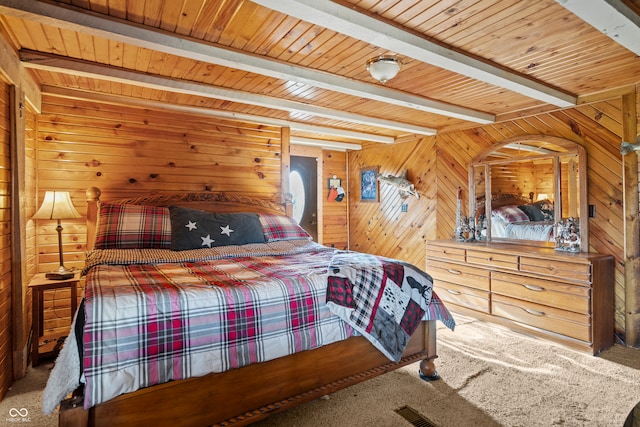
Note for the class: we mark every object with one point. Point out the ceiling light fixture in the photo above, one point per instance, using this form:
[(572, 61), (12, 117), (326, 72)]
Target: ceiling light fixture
[(384, 68)]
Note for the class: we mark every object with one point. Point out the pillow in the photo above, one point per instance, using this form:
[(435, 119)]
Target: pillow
[(546, 206), (122, 226), (281, 227), (510, 213), (195, 229), (533, 212)]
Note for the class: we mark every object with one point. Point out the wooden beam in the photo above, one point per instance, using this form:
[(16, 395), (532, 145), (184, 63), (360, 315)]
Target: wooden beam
[(163, 41), (346, 20), (19, 310), (223, 114), (631, 224), (613, 18), (285, 166), (60, 64), (15, 73)]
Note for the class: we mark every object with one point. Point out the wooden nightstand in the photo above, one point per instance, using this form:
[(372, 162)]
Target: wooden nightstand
[(39, 284)]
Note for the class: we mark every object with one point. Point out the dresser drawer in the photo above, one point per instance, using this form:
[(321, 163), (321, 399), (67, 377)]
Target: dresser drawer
[(558, 269), (565, 296), (493, 259), (446, 252), (562, 322), (460, 274), (464, 296)]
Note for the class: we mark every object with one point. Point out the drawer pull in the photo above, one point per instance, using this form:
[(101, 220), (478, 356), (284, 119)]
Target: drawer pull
[(454, 292), (534, 312), (452, 271), (534, 288)]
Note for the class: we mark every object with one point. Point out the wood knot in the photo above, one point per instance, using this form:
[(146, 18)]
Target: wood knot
[(132, 180)]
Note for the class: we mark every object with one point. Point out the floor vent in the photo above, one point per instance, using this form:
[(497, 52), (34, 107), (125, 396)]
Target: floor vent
[(414, 417)]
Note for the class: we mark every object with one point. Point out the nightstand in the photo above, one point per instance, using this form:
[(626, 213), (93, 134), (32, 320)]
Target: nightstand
[(39, 284)]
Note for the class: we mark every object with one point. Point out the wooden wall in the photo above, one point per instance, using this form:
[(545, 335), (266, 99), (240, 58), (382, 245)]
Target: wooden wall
[(6, 339), (382, 228), (334, 214), (438, 166)]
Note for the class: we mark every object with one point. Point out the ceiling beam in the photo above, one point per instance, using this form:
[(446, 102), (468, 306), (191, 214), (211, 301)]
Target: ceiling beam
[(312, 142), (209, 112), (59, 64), (347, 21), (611, 17), (154, 39)]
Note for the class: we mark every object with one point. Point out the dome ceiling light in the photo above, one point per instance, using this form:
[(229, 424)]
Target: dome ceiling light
[(384, 68)]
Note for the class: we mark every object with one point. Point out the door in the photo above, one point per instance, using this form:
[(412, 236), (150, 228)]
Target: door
[(303, 184)]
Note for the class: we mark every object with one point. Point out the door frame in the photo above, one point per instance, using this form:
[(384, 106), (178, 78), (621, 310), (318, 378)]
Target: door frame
[(315, 152)]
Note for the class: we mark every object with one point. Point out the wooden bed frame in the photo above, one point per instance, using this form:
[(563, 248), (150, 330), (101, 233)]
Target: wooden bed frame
[(245, 395)]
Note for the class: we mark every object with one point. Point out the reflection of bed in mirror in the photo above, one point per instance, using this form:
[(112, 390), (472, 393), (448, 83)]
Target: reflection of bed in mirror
[(535, 183), (517, 217)]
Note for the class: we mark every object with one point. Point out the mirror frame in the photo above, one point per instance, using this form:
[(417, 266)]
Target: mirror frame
[(572, 147)]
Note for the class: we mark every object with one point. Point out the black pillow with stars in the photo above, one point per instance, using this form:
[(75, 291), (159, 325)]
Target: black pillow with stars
[(195, 229)]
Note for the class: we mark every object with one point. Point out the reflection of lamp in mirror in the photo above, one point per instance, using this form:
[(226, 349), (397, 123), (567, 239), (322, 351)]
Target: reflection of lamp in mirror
[(57, 205)]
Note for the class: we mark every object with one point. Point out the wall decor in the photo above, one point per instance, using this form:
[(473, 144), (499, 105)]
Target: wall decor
[(404, 186), (334, 182), (369, 184), (567, 235)]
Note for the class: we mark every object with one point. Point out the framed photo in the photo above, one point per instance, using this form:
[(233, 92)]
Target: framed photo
[(334, 182), (369, 184)]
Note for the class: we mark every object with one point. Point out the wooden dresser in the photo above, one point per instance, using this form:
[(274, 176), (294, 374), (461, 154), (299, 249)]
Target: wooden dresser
[(564, 297)]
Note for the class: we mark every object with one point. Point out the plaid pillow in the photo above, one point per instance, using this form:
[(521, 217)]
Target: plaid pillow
[(133, 227), (280, 227), (510, 214)]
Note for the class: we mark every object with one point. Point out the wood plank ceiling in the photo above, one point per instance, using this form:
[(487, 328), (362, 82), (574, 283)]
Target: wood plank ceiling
[(302, 62)]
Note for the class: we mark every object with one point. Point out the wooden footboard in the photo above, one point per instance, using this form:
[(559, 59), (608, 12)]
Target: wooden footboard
[(245, 395)]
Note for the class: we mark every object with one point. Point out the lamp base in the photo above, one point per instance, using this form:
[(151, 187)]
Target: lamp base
[(59, 275)]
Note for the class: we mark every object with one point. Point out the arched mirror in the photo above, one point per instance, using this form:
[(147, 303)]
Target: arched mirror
[(529, 184)]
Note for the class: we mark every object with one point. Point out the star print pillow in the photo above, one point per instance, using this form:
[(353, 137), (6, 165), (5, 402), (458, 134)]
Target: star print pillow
[(195, 229)]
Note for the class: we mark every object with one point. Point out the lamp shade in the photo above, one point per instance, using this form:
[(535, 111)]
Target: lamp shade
[(57, 205), (383, 68)]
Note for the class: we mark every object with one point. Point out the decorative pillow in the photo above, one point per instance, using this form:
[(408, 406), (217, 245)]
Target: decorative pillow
[(533, 212), (281, 227), (133, 227), (510, 213), (195, 229), (546, 206)]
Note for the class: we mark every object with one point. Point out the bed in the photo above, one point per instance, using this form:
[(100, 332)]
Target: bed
[(517, 217), (167, 333)]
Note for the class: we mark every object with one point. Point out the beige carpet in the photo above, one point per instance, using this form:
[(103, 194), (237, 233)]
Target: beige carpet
[(490, 377)]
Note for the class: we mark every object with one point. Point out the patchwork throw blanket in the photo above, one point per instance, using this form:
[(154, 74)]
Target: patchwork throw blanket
[(383, 299)]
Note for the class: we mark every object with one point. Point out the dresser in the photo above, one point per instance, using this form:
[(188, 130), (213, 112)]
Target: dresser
[(564, 297)]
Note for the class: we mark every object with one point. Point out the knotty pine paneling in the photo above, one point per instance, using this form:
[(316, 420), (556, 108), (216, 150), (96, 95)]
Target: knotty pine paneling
[(335, 214), (6, 284), (443, 167), (381, 228), (132, 152)]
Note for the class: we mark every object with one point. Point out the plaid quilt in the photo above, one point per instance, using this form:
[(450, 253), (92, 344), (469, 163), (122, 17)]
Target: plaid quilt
[(383, 299), (151, 323)]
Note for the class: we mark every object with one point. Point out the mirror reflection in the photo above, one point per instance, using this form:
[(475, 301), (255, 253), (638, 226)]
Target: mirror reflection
[(529, 185)]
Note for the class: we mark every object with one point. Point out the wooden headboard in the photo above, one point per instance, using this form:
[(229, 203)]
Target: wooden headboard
[(222, 202)]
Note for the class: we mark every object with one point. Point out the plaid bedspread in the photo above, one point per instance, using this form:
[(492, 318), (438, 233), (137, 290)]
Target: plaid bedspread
[(383, 299), (151, 323), (155, 315)]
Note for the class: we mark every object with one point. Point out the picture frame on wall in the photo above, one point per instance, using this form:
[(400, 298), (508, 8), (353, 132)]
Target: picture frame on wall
[(369, 184)]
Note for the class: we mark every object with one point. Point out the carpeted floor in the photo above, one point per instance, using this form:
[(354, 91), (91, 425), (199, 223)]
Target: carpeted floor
[(490, 377)]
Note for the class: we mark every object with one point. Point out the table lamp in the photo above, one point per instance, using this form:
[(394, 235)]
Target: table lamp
[(57, 205)]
